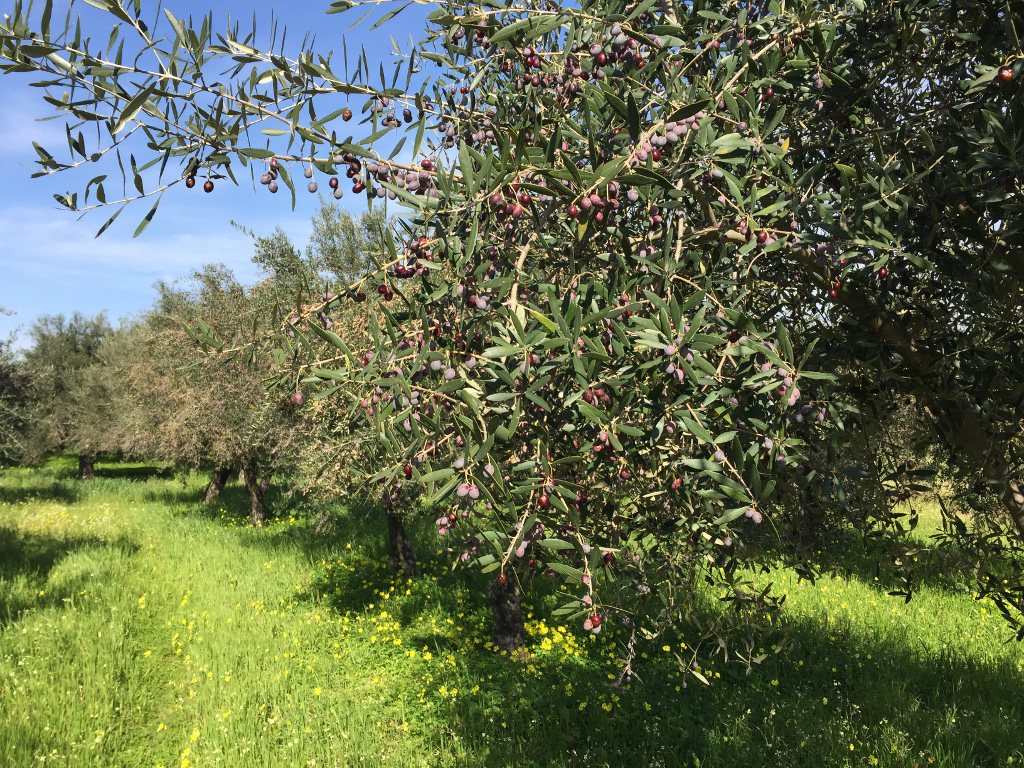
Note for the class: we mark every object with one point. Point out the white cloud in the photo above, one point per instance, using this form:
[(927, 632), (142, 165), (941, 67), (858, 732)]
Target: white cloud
[(51, 263), (50, 243)]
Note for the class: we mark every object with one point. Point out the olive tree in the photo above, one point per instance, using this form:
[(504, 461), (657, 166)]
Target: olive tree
[(910, 279), (333, 461), (191, 407), (661, 258), (14, 404), (67, 379)]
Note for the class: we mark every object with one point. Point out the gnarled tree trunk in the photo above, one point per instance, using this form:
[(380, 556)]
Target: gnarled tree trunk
[(1013, 499), (217, 482), (508, 631), (86, 464), (257, 487), (965, 432), (403, 556)]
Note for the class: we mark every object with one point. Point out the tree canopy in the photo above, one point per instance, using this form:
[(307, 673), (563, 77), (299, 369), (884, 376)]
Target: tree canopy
[(68, 382), (665, 265), (14, 404)]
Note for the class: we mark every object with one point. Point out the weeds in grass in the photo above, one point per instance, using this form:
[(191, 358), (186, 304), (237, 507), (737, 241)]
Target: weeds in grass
[(138, 629)]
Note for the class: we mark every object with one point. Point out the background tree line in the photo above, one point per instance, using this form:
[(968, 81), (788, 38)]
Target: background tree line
[(145, 389)]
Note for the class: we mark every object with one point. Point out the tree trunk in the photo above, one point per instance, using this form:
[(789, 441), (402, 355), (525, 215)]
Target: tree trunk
[(668, 11), (217, 482), (508, 632), (1013, 498), (241, 475), (86, 462), (257, 488), (965, 432), (403, 556)]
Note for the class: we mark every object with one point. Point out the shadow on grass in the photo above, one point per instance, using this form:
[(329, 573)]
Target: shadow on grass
[(873, 686), (288, 525), (62, 491), (138, 472), (57, 480), (839, 698), (182, 497), (848, 553), (42, 488), (27, 561)]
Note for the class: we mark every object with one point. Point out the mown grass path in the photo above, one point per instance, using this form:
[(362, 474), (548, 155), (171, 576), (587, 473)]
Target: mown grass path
[(135, 634), (137, 629)]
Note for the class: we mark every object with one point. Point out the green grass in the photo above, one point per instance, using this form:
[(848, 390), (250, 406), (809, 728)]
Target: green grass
[(138, 629)]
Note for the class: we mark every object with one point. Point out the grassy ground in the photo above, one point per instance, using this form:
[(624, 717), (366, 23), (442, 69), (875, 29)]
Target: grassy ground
[(137, 629)]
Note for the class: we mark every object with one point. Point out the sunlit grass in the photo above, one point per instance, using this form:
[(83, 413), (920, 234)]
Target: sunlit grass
[(138, 629)]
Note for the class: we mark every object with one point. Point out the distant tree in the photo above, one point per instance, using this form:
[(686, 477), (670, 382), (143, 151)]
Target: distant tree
[(189, 405), (341, 249), (340, 252), (64, 389), (14, 396), (99, 423), (347, 248)]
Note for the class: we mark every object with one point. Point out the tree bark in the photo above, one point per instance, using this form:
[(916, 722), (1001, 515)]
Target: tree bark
[(86, 463), (668, 11), (403, 556), (508, 631), (965, 432), (1013, 500), (217, 482), (257, 488)]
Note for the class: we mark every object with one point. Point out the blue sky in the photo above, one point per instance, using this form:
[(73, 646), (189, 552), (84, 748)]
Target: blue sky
[(50, 261)]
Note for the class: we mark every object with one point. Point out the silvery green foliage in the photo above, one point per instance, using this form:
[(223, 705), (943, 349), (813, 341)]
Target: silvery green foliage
[(628, 226)]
